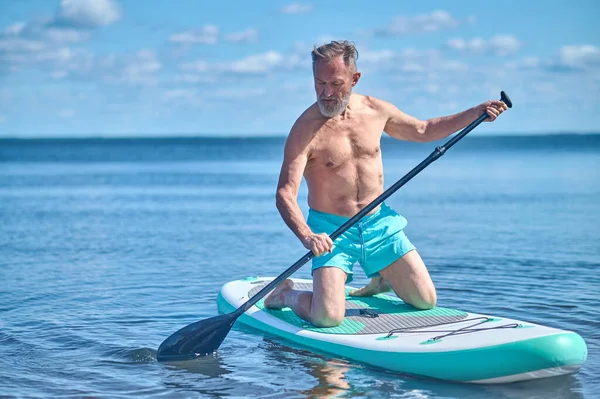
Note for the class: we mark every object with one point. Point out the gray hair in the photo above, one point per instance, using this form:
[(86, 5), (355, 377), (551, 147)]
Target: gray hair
[(329, 51)]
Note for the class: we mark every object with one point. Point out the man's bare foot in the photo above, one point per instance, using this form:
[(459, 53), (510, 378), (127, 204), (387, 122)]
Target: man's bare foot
[(275, 299), (377, 285)]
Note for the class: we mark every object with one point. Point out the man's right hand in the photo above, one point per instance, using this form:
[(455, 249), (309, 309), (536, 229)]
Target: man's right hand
[(318, 243)]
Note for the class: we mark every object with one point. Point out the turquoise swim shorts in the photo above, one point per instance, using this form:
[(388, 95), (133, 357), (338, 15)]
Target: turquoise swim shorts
[(375, 241)]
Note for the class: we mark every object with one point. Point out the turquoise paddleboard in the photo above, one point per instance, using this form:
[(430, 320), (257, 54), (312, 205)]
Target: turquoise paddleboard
[(441, 343)]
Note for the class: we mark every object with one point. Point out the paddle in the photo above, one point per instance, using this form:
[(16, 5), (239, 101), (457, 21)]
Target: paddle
[(205, 336)]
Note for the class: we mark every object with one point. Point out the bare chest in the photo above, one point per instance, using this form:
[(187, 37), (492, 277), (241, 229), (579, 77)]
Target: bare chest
[(338, 144)]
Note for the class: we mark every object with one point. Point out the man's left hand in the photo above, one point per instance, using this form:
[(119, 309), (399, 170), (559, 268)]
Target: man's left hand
[(493, 108)]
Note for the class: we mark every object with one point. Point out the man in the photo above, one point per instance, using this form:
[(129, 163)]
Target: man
[(335, 145)]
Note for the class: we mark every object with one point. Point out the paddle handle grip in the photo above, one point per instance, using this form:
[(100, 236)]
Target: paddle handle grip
[(438, 152)]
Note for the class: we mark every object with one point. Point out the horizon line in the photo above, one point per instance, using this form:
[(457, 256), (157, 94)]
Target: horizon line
[(266, 136)]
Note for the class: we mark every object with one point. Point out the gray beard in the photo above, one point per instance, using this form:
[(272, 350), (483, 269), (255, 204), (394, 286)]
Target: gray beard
[(331, 110)]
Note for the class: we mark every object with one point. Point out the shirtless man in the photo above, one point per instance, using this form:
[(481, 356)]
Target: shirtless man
[(335, 145)]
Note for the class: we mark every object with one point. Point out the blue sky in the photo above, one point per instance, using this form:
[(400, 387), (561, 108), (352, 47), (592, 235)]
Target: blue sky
[(110, 68)]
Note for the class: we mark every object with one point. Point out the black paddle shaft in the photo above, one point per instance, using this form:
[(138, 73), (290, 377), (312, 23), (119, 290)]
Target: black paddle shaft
[(438, 152)]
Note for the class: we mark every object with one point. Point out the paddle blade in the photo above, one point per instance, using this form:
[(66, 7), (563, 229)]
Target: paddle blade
[(197, 339)]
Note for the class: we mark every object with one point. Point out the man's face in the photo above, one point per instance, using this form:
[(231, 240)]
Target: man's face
[(333, 85)]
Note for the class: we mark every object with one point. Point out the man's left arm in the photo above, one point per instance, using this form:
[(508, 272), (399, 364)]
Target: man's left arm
[(406, 127)]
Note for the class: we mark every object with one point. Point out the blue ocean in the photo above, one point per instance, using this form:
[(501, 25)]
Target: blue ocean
[(108, 246)]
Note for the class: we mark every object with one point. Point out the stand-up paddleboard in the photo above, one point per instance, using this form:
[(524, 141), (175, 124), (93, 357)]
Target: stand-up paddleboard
[(441, 343)]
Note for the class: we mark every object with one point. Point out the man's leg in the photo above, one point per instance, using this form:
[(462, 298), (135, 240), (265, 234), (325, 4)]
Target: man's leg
[(325, 306), (410, 280)]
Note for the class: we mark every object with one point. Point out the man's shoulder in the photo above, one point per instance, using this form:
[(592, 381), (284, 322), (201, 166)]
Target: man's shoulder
[(374, 105), (307, 118), (373, 102), (303, 129), (310, 113)]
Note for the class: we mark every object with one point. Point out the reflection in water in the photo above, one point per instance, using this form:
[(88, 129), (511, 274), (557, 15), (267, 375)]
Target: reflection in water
[(339, 378), (554, 387), (329, 373), (210, 366), (186, 376), (332, 380)]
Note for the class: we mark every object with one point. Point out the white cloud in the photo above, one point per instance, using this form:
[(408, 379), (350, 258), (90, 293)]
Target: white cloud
[(420, 24), (41, 45), (47, 32), (427, 62), (419, 72), (453, 66), (297, 8), (524, 63), (427, 72), (202, 71), (431, 88), (376, 57), (15, 29), (60, 55), (411, 66), (195, 98), (59, 74), (179, 93), (504, 44), (254, 64), (301, 48), (499, 45), (66, 35), (195, 78), (16, 45), (87, 13), (196, 66), (584, 56), (182, 97), (246, 36), (45, 43), (23, 42), (476, 44), (545, 88), (137, 69), (205, 35), (140, 69), (67, 113), (210, 34), (237, 94)]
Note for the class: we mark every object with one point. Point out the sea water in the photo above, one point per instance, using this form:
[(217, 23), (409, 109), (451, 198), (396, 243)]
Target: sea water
[(107, 247)]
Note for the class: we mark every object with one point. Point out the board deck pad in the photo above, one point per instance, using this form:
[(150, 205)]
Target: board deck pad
[(377, 314)]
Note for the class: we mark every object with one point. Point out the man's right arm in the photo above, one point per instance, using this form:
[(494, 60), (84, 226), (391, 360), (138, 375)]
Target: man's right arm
[(295, 158)]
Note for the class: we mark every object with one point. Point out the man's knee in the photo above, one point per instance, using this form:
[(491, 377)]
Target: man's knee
[(328, 305), (328, 317), (425, 301)]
